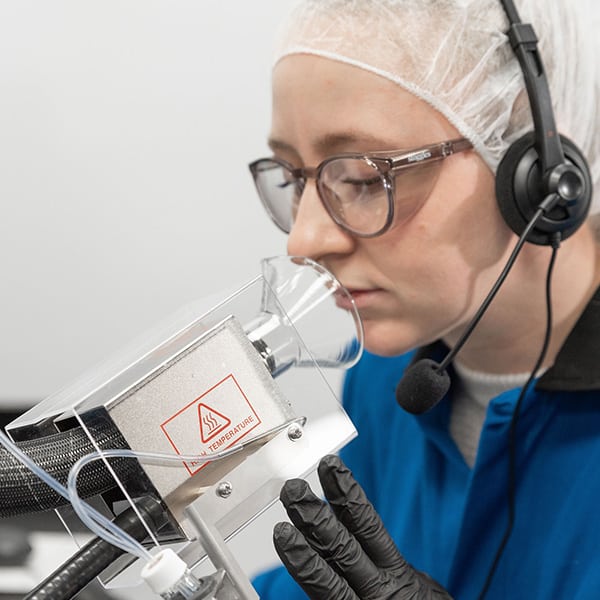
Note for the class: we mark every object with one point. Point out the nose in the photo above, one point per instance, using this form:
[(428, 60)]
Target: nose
[(314, 234)]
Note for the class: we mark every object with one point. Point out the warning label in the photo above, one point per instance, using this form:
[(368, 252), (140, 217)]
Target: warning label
[(219, 418), (212, 422)]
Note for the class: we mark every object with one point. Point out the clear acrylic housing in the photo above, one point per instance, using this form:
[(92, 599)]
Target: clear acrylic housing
[(243, 373)]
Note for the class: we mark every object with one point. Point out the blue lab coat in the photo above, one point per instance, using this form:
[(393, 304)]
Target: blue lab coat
[(448, 519)]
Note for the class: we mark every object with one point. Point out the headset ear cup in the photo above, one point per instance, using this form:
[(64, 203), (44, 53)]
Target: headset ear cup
[(519, 191), (505, 183)]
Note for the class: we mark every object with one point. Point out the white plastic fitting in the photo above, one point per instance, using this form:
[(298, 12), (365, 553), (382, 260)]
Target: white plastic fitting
[(163, 571)]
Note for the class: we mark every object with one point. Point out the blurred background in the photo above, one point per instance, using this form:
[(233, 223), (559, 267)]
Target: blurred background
[(126, 127)]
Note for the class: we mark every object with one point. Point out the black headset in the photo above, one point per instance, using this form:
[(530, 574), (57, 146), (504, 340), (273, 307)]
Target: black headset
[(542, 166), (544, 192)]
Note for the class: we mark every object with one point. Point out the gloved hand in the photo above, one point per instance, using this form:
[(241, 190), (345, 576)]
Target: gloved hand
[(341, 550)]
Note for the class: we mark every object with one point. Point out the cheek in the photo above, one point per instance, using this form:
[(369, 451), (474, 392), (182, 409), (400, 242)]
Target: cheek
[(439, 265), (460, 228)]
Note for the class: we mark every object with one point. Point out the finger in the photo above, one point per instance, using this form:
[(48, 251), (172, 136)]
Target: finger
[(316, 521), (312, 573), (330, 539), (352, 507)]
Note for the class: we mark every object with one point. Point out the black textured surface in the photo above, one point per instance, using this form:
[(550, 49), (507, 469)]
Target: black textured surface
[(22, 492)]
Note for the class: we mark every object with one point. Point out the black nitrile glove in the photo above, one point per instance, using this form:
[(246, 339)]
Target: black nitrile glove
[(341, 550)]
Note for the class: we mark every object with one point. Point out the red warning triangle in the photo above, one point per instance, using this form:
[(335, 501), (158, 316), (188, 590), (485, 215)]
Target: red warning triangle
[(212, 422)]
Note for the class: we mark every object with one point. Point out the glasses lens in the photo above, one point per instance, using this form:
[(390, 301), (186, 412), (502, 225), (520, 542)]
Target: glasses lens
[(356, 195), (412, 186), (278, 190)]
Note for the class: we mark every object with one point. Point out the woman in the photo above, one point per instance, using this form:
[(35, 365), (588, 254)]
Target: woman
[(435, 86)]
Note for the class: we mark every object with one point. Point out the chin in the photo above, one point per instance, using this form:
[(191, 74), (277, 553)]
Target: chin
[(389, 340)]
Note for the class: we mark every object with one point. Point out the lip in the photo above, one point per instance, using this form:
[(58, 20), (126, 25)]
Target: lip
[(362, 297)]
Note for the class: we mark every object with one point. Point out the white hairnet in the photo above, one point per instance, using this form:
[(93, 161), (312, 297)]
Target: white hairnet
[(455, 55)]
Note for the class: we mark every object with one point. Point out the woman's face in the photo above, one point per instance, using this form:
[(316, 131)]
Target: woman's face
[(423, 278)]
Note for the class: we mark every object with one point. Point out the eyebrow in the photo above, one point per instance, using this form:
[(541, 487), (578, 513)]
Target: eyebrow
[(276, 144), (330, 143)]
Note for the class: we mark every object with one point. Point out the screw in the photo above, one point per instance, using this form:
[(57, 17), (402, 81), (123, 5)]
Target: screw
[(294, 432), (224, 489)]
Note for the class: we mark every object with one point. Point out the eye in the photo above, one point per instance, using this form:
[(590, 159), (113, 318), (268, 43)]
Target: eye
[(353, 172), (289, 180), (368, 181), (285, 184)]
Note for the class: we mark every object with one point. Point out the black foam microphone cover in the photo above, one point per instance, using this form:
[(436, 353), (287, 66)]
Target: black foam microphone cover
[(422, 386)]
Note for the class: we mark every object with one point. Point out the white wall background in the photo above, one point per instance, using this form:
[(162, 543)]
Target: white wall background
[(125, 130)]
